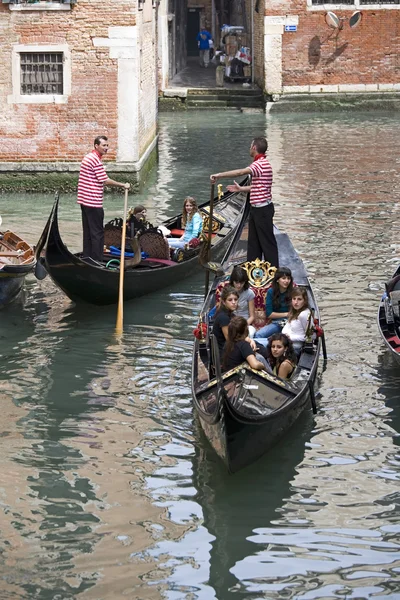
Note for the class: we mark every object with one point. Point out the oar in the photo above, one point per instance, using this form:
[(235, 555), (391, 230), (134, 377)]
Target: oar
[(208, 252), (120, 313)]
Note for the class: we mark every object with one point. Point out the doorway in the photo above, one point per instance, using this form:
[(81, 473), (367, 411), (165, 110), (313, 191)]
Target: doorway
[(192, 29)]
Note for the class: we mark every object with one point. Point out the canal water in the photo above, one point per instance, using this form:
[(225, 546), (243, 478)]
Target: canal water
[(108, 487)]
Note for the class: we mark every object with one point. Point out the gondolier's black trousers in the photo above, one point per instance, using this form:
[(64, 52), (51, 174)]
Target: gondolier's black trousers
[(261, 241), (93, 232)]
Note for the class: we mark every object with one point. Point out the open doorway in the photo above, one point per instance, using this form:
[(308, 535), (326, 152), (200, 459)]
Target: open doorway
[(192, 29)]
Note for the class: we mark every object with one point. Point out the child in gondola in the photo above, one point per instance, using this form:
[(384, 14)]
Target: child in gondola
[(238, 349), (298, 318), (191, 221), (227, 306), (281, 355), (277, 303), (240, 281)]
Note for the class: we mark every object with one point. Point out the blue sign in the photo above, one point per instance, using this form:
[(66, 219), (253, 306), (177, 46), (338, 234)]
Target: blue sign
[(290, 27)]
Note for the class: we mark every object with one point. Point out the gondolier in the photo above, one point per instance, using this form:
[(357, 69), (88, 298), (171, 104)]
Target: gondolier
[(261, 239), (92, 179)]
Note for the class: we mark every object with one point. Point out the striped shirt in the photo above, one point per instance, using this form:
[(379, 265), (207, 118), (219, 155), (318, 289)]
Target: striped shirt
[(261, 181), (92, 176)]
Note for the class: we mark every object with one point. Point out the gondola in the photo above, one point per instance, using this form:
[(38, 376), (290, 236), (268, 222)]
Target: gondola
[(389, 315), (244, 412), (17, 259), (85, 280)]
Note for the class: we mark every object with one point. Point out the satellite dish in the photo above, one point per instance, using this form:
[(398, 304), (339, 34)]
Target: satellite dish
[(355, 19), (332, 20)]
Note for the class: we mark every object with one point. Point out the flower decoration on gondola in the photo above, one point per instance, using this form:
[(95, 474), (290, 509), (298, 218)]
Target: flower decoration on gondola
[(201, 331), (319, 332)]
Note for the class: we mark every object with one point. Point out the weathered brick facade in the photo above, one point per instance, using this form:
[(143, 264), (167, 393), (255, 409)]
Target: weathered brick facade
[(317, 58), (110, 64)]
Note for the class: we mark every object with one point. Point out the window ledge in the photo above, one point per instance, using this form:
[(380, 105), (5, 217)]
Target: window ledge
[(39, 6)]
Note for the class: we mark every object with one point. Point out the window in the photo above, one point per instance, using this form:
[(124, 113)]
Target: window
[(41, 73), (23, 5), (354, 4)]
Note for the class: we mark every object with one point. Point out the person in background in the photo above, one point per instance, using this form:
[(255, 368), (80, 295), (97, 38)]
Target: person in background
[(137, 219), (204, 39), (192, 222), (92, 179), (299, 316), (281, 355), (261, 238), (237, 348), (240, 281), (277, 303)]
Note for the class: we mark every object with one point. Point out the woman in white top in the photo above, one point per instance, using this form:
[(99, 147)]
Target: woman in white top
[(299, 317)]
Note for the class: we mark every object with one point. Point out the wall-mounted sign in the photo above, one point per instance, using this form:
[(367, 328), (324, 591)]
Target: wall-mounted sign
[(290, 27)]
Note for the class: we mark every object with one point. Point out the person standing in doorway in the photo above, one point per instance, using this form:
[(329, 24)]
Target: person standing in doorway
[(92, 179), (203, 41), (261, 239)]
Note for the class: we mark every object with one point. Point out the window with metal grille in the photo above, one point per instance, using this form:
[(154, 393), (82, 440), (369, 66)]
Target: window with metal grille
[(364, 2), (41, 73), (318, 2)]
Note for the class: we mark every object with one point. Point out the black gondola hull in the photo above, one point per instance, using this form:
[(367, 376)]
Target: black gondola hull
[(82, 281)]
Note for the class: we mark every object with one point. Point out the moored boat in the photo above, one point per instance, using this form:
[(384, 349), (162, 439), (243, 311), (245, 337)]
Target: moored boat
[(85, 280), (244, 412), (389, 315), (17, 259)]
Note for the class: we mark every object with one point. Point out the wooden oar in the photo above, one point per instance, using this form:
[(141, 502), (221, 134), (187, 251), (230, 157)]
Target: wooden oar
[(120, 312)]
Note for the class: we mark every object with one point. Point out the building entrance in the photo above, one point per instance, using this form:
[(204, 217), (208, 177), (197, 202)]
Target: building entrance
[(192, 29)]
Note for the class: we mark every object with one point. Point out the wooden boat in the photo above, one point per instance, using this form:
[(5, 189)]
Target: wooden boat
[(97, 283), (389, 315), (17, 259), (244, 412)]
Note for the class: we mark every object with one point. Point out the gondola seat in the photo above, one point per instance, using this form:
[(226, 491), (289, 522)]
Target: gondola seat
[(260, 274), (154, 244), (393, 293)]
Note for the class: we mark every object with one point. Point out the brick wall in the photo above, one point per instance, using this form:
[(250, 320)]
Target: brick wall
[(316, 55), (65, 132)]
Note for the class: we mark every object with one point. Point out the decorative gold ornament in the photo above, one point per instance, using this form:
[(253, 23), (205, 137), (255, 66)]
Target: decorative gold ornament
[(259, 272)]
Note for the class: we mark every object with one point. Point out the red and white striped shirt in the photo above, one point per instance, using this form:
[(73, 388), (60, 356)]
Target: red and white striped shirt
[(92, 176), (261, 181)]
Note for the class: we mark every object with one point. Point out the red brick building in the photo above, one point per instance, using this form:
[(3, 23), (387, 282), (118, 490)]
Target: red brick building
[(303, 53), (71, 70)]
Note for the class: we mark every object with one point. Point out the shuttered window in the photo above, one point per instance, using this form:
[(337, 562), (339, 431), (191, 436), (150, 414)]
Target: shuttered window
[(41, 73)]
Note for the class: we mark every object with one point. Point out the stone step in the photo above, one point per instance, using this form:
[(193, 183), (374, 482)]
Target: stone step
[(230, 98), (224, 92), (231, 103)]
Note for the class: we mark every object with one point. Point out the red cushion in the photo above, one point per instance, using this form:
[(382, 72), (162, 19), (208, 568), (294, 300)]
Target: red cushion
[(177, 232)]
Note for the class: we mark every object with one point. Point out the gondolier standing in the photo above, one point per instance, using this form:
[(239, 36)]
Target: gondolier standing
[(92, 179), (261, 238)]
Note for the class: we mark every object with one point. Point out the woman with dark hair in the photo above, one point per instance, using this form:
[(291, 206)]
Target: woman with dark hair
[(277, 302), (237, 348), (240, 281), (227, 307), (192, 222), (281, 355)]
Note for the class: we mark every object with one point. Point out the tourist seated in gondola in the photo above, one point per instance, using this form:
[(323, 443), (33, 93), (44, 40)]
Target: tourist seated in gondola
[(299, 318), (192, 223), (240, 281), (225, 311), (238, 349), (281, 355), (277, 303), (137, 219)]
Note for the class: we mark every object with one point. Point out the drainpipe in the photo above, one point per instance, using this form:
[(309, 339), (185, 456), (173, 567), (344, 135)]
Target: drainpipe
[(213, 21)]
